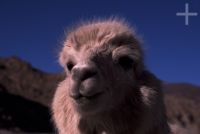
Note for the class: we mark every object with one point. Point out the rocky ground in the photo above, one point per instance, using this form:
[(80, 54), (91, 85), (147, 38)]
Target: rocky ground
[(26, 94)]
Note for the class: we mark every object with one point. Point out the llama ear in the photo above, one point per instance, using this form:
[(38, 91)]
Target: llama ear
[(150, 86), (146, 78)]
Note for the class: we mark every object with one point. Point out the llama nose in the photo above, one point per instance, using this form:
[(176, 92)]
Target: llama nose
[(83, 72)]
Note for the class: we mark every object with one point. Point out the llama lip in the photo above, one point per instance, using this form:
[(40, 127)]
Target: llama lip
[(84, 99)]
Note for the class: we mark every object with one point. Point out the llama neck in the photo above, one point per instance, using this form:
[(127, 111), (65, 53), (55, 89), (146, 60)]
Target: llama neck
[(116, 121)]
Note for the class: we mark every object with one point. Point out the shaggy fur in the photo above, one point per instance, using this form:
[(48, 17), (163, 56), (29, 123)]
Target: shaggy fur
[(107, 89)]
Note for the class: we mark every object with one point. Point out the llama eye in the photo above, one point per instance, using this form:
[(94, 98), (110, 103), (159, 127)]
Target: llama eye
[(70, 65), (125, 62)]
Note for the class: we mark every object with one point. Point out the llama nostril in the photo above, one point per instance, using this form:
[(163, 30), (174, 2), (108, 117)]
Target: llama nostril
[(81, 73), (88, 74)]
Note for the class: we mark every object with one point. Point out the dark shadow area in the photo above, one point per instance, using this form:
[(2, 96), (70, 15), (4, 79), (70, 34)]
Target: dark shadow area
[(19, 114)]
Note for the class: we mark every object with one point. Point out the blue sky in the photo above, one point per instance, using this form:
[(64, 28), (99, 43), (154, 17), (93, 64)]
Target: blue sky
[(34, 29)]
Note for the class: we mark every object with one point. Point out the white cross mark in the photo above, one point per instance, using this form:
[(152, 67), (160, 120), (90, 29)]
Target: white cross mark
[(186, 14)]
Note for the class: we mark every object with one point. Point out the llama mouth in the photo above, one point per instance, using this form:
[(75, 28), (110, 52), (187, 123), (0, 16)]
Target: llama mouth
[(85, 99)]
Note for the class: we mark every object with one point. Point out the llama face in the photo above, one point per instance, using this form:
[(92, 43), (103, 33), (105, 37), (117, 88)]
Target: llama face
[(101, 68)]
